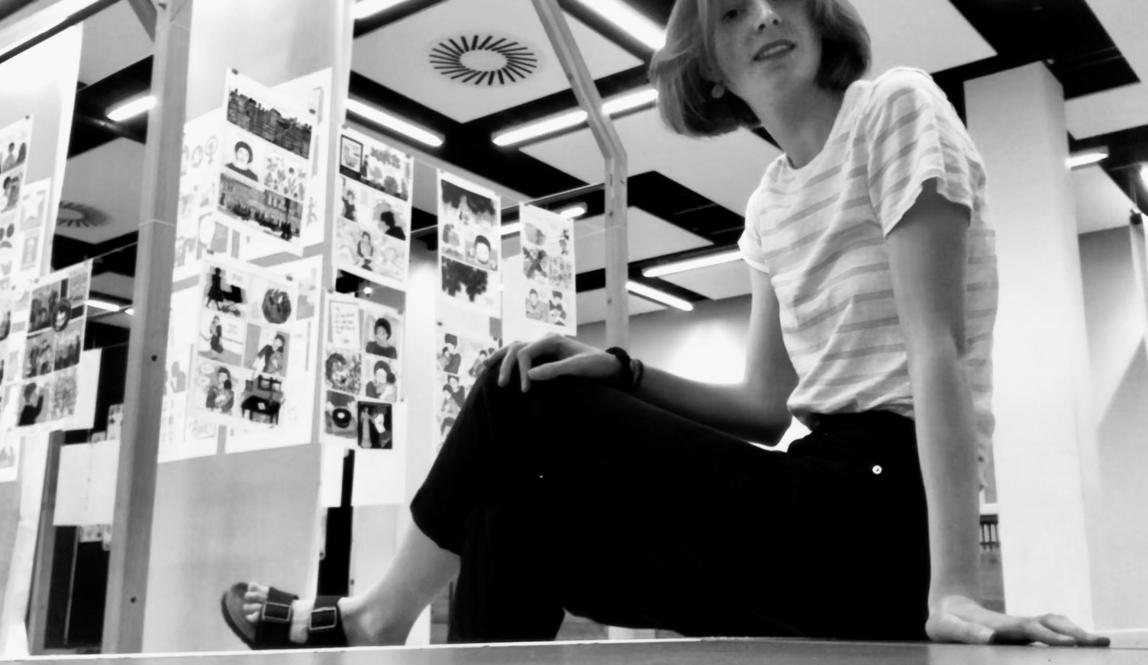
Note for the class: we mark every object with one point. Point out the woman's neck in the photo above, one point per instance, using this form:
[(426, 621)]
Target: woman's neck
[(799, 122)]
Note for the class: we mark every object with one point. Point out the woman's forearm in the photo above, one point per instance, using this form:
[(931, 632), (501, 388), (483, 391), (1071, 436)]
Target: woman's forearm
[(734, 409), (946, 443)]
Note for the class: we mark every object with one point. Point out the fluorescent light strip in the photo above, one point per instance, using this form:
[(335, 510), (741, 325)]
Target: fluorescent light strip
[(540, 128), (693, 264), (511, 228), (1087, 158), (619, 104), (630, 100), (394, 123), (104, 305), (131, 108), (625, 17), (573, 212), (1144, 174), (659, 296), (365, 8)]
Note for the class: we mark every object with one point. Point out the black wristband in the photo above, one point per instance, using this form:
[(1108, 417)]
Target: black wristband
[(625, 379)]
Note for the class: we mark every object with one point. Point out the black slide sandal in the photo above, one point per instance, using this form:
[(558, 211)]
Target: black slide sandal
[(272, 631)]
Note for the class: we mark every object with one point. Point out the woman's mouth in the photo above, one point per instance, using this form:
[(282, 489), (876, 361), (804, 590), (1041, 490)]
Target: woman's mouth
[(773, 50)]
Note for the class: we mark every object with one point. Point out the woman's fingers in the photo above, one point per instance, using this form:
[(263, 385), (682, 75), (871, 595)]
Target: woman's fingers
[(574, 366), (1064, 626), (508, 361)]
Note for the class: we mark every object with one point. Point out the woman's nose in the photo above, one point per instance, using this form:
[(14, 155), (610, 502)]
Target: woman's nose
[(766, 15)]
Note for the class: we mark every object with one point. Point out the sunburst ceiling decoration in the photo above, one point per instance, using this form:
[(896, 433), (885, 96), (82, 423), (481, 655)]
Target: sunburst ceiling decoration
[(484, 60), (80, 216)]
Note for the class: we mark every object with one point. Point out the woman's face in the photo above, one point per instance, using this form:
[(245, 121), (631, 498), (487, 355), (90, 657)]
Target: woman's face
[(242, 156), (221, 376), (768, 45), (278, 343)]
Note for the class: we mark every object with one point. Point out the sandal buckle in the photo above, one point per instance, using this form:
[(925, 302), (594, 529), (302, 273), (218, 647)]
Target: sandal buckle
[(275, 613), (323, 618)]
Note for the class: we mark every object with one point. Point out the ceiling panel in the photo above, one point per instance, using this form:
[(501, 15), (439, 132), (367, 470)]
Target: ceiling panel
[(647, 236), (1100, 204), (592, 306), (398, 56), (113, 39), (726, 169), (108, 179), (1120, 108), (727, 280), (929, 34)]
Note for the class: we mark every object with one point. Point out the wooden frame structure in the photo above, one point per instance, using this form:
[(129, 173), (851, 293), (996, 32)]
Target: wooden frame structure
[(169, 24)]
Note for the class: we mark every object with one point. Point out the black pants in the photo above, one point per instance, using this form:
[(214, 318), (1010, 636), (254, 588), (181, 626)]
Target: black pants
[(577, 496)]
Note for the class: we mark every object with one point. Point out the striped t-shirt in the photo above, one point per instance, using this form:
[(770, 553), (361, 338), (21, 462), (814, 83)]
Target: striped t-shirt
[(819, 233)]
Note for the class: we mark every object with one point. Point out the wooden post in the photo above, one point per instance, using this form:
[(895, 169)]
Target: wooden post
[(614, 154), (143, 395), (45, 548)]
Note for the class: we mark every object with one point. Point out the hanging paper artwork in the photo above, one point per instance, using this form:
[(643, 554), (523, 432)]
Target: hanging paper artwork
[(267, 158), (198, 234), (15, 140), (362, 371), (57, 317), (373, 212), (469, 245), (547, 296), (459, 361), (22, 239), (242, 345)]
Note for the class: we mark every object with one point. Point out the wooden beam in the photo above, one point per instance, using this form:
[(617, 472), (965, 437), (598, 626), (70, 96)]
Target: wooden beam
[(614, 154), (45, 548), (146, 13), (143, 397)]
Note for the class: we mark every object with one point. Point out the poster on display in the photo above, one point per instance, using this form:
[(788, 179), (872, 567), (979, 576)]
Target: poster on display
[(379, 476), (242, 345), (470, 244), (373, 213), (546, 295), (362, 372), (22, 238), (198, 234), (459, 360), (179, 437), (57, 317), (15, 140), (9, 438), (267, 158), (294, 425)]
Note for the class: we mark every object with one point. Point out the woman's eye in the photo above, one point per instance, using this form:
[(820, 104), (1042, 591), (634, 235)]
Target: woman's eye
[(730, 15)]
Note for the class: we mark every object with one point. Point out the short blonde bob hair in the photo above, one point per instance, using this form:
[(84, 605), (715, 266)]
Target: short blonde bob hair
[(681, 69)]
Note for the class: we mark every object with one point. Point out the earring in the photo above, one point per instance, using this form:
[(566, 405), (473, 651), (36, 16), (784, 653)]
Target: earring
[(718, 90)]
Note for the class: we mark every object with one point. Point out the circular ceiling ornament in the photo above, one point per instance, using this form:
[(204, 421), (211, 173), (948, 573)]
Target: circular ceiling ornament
[(483, 60), (80, 216)]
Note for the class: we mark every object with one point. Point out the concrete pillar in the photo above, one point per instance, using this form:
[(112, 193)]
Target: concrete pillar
[(1045, 443)]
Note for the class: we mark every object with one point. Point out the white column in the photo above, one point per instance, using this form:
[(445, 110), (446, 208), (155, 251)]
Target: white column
[(1045, 443)]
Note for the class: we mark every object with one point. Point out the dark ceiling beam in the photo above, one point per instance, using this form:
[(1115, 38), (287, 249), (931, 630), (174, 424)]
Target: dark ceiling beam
[(146, 13), (388, 16)]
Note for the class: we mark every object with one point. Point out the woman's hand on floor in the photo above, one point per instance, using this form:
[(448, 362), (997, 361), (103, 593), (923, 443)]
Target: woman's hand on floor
[(961, 619), (550, 357)]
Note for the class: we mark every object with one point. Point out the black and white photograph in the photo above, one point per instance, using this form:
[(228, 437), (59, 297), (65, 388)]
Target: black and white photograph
[(34, 403), (267, 350), (340, 416), (376, 430), (224, 289)]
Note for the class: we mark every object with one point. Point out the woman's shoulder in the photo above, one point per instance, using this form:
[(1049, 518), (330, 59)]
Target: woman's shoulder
[(901, 86)]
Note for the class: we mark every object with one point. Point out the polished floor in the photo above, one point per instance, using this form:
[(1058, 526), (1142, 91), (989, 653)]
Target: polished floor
[(666, 652)]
